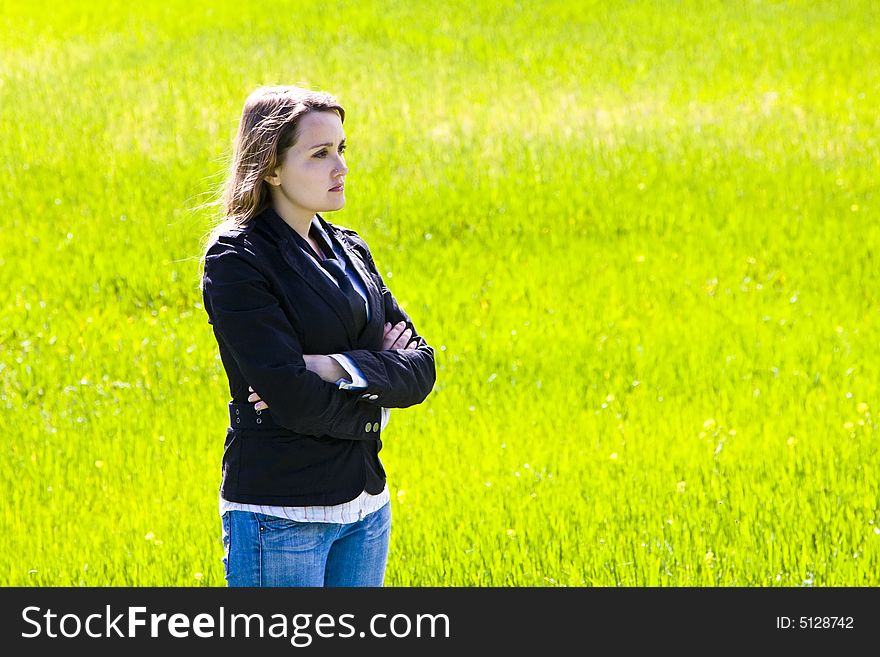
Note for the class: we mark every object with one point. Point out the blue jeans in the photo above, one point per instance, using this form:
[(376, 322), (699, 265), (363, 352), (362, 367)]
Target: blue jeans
[(263, 550)]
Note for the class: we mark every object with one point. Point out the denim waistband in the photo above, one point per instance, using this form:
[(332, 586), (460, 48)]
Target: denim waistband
[(243, 416)]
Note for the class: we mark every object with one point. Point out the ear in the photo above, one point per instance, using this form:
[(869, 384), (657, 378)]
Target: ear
[(273, 178)]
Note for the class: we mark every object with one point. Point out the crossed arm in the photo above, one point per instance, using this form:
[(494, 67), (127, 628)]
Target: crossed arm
[(248, 319), (394, 337)]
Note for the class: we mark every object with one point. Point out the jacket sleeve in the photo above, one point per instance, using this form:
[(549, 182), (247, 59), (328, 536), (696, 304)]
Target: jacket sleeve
[(396, 378), (247, 316)]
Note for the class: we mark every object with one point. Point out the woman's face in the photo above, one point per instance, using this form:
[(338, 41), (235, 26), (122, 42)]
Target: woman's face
[(303, 183)]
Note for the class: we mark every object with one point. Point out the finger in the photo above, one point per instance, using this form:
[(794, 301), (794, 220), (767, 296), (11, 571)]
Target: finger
[(250, 389), (393, 335), (402, 341), (413, 345), (261, 406), (254, 397)]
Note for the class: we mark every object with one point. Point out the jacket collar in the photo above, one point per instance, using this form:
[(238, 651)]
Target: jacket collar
[(289, 244), (275, 225)]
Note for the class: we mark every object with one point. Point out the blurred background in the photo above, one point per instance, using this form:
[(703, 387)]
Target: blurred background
[(641, 237)]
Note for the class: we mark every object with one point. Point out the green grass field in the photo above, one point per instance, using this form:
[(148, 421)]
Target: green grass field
[(641, 236)]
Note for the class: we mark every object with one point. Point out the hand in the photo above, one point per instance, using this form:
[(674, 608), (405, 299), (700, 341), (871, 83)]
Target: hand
[(325, 367), (397, 337), (254, 397)]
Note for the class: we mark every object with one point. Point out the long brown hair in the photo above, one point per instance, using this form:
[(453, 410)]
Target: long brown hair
[(269, 125)]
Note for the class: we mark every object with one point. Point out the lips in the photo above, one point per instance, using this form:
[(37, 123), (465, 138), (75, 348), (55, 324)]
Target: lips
[(338, 188)]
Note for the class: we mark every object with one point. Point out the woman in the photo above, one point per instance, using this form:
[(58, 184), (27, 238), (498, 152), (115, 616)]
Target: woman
[(316, 350)]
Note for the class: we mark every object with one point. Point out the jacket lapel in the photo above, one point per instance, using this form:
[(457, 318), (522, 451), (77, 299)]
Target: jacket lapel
[(300, 263), (374, 294)]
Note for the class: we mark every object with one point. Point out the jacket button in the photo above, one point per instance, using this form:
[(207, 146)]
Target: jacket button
[(238, 420), (259, 421), (376, 427), (236, 411), (373, 397), (369, 427), (366, 396)]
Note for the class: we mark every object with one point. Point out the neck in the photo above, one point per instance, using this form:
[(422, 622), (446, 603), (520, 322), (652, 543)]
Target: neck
[(299, 220)]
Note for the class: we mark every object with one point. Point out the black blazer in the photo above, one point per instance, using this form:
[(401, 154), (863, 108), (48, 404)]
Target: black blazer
[(268, 305)]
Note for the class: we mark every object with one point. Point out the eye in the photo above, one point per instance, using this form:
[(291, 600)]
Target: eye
[(321, 154)]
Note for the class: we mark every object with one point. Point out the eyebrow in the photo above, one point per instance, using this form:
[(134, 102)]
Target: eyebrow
[(329, 143)]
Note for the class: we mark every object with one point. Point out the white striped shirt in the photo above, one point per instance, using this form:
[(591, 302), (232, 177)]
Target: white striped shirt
[(344, 513)]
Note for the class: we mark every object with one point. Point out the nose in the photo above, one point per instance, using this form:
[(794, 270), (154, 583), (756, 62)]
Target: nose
[(340, 167)]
